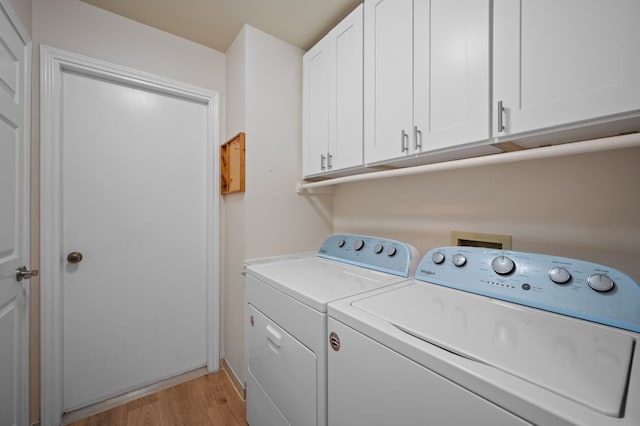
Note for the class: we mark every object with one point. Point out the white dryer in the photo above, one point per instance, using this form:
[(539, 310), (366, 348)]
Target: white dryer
[(286, 321), (489, 337)]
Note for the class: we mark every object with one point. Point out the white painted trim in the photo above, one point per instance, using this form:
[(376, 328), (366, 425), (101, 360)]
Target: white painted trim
[(53, 63)]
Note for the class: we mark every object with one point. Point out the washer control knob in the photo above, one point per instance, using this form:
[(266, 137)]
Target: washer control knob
[(601, 283), (378, 248), (437, 257), (559, 275), (391, 251), (358, 244), (503, 265), (341, 243), (459, 260)]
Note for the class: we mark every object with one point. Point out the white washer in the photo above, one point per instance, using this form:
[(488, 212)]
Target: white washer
[(489, 337), (286, 321)]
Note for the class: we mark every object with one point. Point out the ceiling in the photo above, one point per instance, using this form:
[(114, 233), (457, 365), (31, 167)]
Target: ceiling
[(215, 23)]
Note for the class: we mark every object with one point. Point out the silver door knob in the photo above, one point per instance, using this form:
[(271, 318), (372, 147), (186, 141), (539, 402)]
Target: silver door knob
[(74, 257), (24, 274)]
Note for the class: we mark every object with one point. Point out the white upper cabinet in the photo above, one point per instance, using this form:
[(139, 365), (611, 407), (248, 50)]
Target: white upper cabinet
[(426, 76), (333, 99), (561, 63)]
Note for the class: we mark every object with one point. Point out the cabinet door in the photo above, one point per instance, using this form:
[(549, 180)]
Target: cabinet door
[(346, 97), (315, 109), (558, 62), (388, 78), (451, 73)]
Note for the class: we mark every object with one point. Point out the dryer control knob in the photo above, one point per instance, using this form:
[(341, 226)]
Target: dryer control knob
[(391, 251), (437, 257), (559, 275), (503, 265), (341, 243), (459, 260), (358, 244), (601, 283), (378, 248)]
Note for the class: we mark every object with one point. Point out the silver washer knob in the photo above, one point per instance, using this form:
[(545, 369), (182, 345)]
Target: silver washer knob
[(358, 244), (378, 248), (437, 257), (503, 265), (601, 283), (559, 275), (459, 260), (391, 251)]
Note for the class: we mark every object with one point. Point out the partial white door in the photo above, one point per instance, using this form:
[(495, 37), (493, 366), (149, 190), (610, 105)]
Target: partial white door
[(315, 108), (134, 234), (388, 80), (346, 93), (14, 220), (561, 62)]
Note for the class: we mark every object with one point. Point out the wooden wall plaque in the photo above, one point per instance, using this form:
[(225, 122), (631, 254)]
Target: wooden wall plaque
[(232, 165)]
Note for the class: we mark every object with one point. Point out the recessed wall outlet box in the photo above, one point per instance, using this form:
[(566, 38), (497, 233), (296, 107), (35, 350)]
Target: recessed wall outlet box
[(478, 239)]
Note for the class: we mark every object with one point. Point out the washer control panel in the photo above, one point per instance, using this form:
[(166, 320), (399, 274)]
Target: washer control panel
[(377, 253), (567, 286)]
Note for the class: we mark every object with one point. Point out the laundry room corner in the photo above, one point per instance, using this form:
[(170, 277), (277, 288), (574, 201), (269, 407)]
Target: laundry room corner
[(263, 99)]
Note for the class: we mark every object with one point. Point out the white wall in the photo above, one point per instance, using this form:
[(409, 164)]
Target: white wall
[(270, 218), (88, 30), (583, 206)]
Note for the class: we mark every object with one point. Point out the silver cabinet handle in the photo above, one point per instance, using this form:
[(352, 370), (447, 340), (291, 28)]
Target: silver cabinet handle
[(329, 158), (500, 117), (322, 167), (404, 141), (417, 139)]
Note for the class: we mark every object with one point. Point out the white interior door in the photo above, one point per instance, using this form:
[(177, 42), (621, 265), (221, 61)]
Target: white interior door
[(14, 221), (134, 193)]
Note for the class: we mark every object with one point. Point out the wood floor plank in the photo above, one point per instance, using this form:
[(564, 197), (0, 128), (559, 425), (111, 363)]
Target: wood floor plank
[(207, 400)]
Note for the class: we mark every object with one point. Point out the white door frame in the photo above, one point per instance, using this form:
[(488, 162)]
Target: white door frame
[(53, 63)]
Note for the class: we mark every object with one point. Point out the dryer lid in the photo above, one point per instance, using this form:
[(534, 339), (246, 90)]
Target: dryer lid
[(579, 360)]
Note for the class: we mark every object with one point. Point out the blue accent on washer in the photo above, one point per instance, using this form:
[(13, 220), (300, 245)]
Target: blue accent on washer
[(529, 283), (377, 253)]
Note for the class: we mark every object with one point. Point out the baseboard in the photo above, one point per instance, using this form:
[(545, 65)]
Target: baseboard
[(234, 380)]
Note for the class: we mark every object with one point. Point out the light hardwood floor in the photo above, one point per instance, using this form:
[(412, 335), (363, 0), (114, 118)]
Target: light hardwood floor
[(207, 400)]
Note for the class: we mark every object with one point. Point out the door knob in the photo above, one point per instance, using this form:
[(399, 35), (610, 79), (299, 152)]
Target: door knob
[(24, 274), (74, 257)]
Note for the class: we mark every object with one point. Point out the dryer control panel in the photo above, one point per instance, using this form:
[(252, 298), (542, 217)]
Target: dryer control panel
[(567, 286), (377, 253)]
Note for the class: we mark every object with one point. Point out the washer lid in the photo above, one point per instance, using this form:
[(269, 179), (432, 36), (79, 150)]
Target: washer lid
[(582, 361), (315, 281)]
